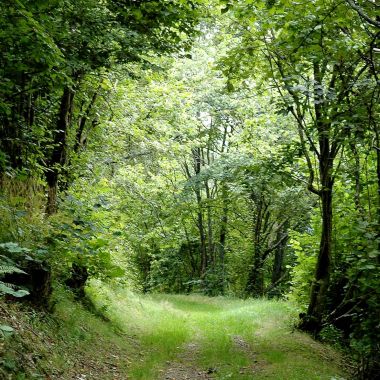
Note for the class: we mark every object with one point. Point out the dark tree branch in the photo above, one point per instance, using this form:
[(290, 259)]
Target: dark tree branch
[(362, 14)]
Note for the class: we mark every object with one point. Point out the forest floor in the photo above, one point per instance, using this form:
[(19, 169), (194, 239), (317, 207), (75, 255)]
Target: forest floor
[(163, 337)]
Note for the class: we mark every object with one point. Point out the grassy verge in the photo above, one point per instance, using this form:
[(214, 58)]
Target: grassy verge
[(70, 344)]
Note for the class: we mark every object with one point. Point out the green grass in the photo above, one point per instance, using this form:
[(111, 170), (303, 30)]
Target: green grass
[(66, 345), (148, 335), (241, 339)]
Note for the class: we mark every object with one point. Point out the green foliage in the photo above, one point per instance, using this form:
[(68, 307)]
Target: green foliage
[(215, 281), (8, 267), (83, 240), (181, 164), (6, 330), (22, 211), (359, 302), (305, 248), (168, 273), (332, 336)]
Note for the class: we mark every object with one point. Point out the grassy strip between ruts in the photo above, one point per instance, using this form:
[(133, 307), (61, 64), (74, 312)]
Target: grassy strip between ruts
[(221, 338)]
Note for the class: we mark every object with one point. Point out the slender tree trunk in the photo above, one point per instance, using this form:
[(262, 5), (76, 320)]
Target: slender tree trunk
[(11, 140), (321, 282), (58, 156), (312, 322), (223, 226), (193, 261), (224, 219), (202, 236), (201, 228), (377, 148), (210, 234), (255, 283), (278, 261), (80, 138)]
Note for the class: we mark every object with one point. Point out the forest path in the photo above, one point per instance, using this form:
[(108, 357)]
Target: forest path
[(195, 337), (184, 367)]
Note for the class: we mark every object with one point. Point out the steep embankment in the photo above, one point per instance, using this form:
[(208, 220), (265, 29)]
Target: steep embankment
[(163, 337), (70, 344)]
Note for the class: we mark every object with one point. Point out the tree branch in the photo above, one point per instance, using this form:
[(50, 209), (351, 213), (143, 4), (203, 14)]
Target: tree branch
[(362, 14)]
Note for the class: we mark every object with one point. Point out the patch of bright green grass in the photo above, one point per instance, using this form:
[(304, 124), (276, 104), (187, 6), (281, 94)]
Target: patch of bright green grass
[(240, 339), (162, 329), (235, 339)]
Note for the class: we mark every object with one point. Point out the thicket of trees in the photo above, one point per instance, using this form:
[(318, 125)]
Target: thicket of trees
[(229, 148)]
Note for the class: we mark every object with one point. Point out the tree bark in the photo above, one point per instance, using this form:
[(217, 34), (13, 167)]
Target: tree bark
[(377, 148), (80, 138), (201, 228), (210, 234), (312, 321), (317, 305), (59, 154), (255, 283), (278, 261), (223, 226)]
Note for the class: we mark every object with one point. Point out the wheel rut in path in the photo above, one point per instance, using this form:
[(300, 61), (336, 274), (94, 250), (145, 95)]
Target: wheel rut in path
[(184, 367)]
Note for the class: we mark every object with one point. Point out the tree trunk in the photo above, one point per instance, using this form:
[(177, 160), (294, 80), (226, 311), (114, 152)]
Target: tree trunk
[(278, 263), (312, 321), (11, 140), (36, 279), (193, 262), (202, 236), (210, 235), (14, 128), (80, 138), (255, 283), (59, 154), (223, 226), (77, 280), (51, 205), (377, 148), (201, 228)]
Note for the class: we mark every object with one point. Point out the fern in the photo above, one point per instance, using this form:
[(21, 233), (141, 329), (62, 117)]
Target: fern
[(9, 269), (7, 266), (12, 290)]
